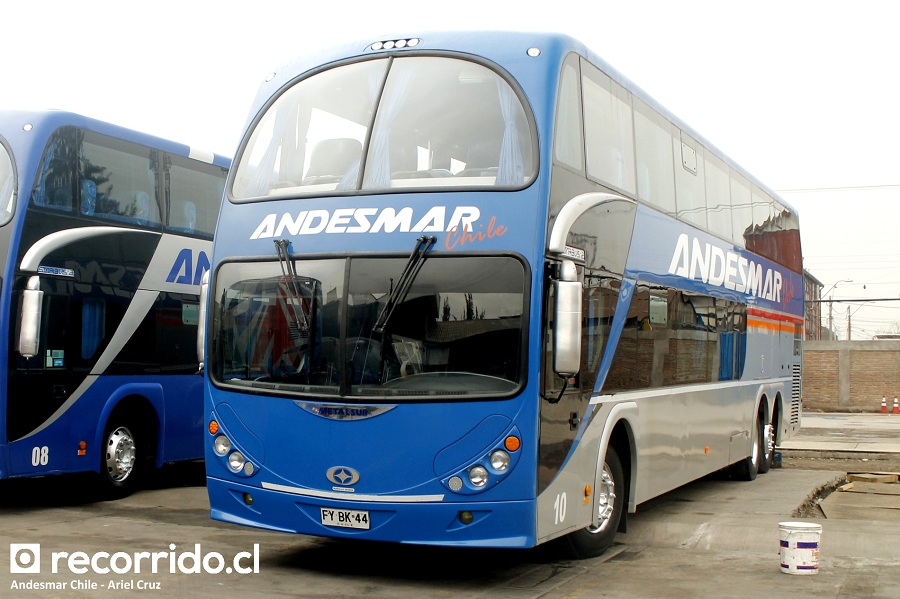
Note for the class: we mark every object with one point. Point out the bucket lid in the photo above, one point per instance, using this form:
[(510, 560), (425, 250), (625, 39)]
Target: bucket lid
[(800, 525)]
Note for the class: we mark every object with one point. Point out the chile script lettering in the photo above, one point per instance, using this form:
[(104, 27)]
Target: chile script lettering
[(458, 238)]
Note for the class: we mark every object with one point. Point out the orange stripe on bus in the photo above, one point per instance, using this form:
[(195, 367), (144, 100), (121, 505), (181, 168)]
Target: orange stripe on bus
[(775, 316), (782, 327)]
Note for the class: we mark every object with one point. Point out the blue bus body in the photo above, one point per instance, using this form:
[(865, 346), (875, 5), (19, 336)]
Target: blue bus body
[(342, 402), (110, 230)]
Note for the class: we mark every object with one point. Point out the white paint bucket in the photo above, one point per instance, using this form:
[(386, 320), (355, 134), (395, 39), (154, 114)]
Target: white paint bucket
[(799, 547)]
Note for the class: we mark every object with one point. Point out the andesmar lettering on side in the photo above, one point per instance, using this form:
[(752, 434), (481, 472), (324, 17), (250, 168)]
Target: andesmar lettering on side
[(694, 259)]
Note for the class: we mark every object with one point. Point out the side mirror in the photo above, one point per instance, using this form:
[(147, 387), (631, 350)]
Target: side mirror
[(567, 321), (201, 324), (30, 322)]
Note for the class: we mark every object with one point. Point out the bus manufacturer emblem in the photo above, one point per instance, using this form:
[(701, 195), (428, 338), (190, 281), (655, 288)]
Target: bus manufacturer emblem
[(342, 475), (343, 411)]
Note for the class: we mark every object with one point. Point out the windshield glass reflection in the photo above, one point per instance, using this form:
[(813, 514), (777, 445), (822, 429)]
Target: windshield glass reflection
[(457, 330)]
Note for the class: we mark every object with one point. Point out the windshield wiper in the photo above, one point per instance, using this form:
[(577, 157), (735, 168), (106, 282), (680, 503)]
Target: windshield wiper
[(299, 324), (404, 283), (298, 319)]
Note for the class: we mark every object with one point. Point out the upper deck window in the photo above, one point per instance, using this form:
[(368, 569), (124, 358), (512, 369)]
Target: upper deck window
[(7, 186), (423, 122), (103, 178)]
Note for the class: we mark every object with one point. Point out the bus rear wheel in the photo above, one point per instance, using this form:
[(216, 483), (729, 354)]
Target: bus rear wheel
[(767, 439), (748, 468), (609, 503), (120, 459)]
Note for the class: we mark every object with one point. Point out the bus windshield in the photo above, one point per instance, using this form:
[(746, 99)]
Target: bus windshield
[(457, 331), (439, 122)]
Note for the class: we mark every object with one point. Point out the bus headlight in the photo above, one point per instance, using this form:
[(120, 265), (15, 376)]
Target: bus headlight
[(236, 461), (499, 460), (486, 470), (222, 445), (478, 476)]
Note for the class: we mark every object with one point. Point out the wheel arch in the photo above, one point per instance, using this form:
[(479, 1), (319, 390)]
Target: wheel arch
[(619, 434), (143, 407), (763, 409)]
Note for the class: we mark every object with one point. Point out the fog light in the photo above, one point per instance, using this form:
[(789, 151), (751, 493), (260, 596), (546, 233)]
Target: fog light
[(222, 445), (466, 517), (455, 483), (248, 499), (248, 468), (478, 476), (500, 460), (236, 461)]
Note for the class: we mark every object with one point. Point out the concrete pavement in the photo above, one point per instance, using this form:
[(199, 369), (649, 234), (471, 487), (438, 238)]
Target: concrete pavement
[(712, 540), (852, 434)]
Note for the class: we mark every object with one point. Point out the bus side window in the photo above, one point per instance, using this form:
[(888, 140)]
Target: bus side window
[(93, 326), (184, 216), (60, 198), (7, 186), (88, 197), (195, 192), (144, 212)]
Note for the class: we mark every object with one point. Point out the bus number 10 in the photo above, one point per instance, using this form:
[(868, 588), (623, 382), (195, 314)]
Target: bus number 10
[(40, 456), (559, 508)]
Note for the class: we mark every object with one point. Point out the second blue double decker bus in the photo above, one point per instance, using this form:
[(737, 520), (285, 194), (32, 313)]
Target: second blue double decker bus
[(105, 233)]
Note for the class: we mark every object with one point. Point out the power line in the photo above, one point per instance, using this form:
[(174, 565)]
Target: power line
[(857, 300), (849, 188)]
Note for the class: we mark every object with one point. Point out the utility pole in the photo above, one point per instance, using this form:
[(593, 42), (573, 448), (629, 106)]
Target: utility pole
[(831, 330), (848, 323), (831, 318)]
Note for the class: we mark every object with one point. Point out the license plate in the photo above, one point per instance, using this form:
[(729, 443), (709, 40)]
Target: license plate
[(345, 518)]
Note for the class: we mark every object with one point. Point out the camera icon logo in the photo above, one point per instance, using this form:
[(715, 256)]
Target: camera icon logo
[(24, 558)]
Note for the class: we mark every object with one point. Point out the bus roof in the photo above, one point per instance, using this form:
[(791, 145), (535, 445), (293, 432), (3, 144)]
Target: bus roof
[(506, 48), (13, 122)]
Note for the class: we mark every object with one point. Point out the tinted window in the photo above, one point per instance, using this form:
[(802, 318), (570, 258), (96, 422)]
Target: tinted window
[(107, 179), (194, 196), (674, 337), (457, 329), (7, 186)]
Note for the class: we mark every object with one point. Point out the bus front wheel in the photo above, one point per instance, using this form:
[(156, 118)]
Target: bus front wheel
[(609, 503), (120, 459)]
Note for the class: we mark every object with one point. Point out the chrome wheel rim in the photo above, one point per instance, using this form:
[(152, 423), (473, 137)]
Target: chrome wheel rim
[(769, 436), (755, 449), (606, 501), (120, 454)]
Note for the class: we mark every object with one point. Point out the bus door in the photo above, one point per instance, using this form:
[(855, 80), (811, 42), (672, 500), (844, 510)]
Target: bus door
[(598, 240)]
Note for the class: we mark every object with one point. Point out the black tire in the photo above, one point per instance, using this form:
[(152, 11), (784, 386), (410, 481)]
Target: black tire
[(610, 497), (748, 468), (122, 459), (767, 441)]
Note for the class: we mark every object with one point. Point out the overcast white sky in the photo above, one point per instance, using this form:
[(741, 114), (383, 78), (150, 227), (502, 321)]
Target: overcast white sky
[(803, 94)]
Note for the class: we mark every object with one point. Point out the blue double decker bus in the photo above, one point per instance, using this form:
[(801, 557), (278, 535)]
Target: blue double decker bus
[(104, 235), (478, 289)]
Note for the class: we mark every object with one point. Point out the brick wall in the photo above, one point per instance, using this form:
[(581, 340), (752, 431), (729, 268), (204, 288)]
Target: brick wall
[(850, 376)]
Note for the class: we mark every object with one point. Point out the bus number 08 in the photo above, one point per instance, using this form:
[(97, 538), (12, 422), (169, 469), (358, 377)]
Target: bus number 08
[(559, 508), (40, 456)]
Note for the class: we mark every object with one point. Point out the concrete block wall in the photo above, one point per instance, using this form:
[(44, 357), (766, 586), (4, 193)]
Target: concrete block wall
[(850, 376)]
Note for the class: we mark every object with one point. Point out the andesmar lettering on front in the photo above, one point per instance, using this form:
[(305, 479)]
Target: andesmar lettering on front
[(697, 260), (367, 220)]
